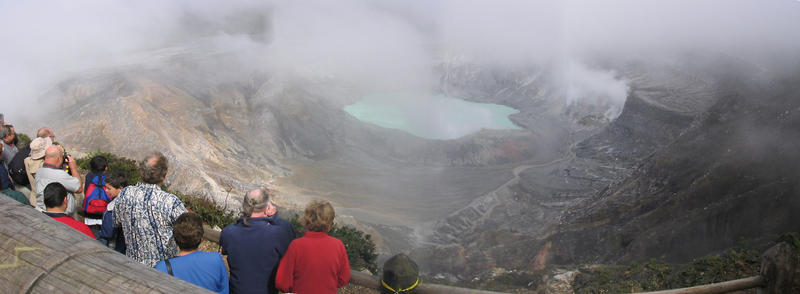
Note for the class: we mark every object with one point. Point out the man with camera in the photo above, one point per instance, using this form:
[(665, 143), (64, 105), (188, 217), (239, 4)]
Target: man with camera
[(51, 172)]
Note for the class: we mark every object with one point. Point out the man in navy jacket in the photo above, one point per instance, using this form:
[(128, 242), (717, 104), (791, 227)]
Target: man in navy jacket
[(255, 244)]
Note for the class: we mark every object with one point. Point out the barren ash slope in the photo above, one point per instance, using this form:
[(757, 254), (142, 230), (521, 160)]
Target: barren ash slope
[(699, 157), (730, 175)]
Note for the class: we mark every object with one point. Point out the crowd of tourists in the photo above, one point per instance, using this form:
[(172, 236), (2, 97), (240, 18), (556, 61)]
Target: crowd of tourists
[(153, 227)]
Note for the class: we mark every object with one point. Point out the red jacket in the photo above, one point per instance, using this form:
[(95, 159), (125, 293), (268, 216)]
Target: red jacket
[(68, 220), (315, 263)]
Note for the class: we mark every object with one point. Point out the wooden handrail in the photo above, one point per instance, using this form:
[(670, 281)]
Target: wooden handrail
[(722, 287)]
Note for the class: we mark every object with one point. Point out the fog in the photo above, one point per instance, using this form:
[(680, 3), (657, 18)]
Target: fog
[(387, 45)]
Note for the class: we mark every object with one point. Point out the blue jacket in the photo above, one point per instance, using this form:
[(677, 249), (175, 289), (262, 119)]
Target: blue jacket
[(204, 269), (254, 252)]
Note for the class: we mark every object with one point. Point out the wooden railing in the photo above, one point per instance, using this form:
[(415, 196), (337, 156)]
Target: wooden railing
[(716, 288)]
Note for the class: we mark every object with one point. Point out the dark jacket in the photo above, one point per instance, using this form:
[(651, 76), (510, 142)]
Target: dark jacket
[(109, 232), (254, 252)]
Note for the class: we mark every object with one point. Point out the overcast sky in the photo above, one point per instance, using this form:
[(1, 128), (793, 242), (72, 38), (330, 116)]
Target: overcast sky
[(386, 44)]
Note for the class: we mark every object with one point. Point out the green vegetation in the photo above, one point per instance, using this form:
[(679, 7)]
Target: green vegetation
[(791, 238), (115, 163), (211, 213), (359, 246), (23, 140), (512, 281), (659, 275)]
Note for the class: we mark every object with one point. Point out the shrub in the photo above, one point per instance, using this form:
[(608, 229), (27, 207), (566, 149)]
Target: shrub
[(658, 275), (791, 238), (23, 141), (359, 246), (115, 163), (211, 213)]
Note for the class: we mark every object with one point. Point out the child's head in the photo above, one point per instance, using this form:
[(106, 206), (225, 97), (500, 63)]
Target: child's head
[(55, 195), (115, 182), (188, 231), (98, 164), (318, 216)]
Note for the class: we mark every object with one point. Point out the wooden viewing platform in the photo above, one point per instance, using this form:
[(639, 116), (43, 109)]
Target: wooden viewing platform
[(40, 255)]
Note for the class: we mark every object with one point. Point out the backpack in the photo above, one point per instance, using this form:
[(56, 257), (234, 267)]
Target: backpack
[(16, 167), (96, 199)]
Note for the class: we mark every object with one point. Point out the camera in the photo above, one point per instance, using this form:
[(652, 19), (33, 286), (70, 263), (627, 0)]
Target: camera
[(65, 165)]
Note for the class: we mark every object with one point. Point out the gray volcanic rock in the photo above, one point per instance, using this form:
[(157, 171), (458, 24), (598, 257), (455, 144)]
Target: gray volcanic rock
[(528, 209), (730, 176)]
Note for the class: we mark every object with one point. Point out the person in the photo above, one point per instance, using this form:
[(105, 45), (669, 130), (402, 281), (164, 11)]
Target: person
[(255, 244), (55, 201), (34, 162), (7, 137), (316, 262), (204, 269), (98, 166), (7, 186), (112, 234), (51, 172), (400, 275), (146, 213), (45, 132)]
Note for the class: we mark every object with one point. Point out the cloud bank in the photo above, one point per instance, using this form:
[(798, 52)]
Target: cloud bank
[(378, 45)]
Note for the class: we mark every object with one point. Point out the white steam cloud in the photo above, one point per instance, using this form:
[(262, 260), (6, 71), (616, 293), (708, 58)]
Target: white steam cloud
[(381, 45)]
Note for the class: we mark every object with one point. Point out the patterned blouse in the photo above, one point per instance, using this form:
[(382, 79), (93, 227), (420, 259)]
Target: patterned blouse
[(146, 213)]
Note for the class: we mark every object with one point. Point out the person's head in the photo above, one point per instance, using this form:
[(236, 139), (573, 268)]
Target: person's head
[(98, 164), (400, 272), (55, 196), (39, 146), (153, 168), (318, 216), (46, 133), (256, 203), (54, 155), (7, 133), (115, 181), (188, 231)]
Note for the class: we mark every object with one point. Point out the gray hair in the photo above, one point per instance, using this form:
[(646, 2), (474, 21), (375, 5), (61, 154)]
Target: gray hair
[(254, 200), (43, 132), (156, 172), (5, 131)]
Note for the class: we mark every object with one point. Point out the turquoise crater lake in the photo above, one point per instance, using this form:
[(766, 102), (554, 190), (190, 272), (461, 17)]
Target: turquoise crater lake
[(431, 116)]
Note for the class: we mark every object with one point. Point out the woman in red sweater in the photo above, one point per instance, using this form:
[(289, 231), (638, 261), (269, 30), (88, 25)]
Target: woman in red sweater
[(315, 263)]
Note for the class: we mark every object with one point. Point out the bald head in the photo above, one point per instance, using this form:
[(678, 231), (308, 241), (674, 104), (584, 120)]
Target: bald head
[(153, 168), (54, 155), (45, 132)]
